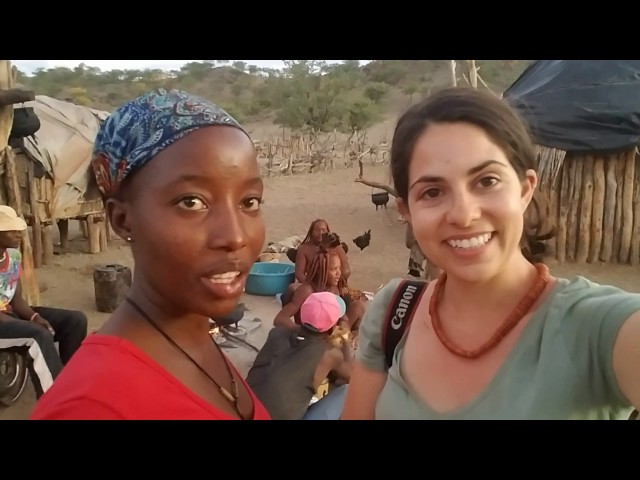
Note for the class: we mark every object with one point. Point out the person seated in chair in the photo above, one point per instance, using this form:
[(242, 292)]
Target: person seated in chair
[(36, 329), (293, 363)]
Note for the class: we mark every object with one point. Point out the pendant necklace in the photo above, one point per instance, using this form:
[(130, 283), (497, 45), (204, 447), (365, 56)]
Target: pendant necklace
[(231, 395)]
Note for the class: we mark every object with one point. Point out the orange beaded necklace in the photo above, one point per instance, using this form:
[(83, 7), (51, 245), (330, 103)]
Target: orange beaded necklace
[(512, 320)]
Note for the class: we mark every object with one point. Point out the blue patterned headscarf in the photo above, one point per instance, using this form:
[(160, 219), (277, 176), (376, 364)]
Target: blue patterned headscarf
[(140, 129)]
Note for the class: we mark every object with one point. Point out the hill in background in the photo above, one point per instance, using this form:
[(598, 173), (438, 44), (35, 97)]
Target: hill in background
[(305, 94)]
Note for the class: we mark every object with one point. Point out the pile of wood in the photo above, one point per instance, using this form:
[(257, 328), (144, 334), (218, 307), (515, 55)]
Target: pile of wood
[(309, 151)]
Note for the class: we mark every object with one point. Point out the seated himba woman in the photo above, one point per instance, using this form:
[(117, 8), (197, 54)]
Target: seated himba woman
[(182, 187), (320, 233), (325, 275), (308, 248)]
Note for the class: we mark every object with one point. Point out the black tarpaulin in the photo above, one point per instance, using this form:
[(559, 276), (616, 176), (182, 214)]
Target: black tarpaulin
[(580, 105)]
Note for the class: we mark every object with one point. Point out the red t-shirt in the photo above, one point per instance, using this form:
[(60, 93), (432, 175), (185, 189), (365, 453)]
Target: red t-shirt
[(109, 378)]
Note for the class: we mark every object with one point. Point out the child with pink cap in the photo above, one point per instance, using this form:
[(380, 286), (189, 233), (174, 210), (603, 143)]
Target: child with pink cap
[(294, 362)]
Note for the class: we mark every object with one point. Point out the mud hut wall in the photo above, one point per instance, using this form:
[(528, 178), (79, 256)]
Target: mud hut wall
[(594, 204)]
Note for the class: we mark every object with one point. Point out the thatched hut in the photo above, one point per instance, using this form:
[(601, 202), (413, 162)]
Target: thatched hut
[(584, 116)]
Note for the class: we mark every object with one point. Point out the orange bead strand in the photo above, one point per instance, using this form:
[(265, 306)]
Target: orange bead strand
[(512, 320)]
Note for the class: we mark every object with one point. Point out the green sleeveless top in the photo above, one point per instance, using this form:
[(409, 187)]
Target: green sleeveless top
[(560, 368)]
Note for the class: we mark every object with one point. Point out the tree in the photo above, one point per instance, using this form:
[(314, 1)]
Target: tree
[(311, 100), (410, 90), (376, 91), (360, 114), (196, 70), (239, 65)]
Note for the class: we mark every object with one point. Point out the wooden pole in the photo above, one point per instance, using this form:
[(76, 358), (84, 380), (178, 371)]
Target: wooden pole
[(583, 239), (609, 211), (635, 234), (473, 73), (454, 80), (597, 219), (29, 279), (627, 205), (12, 96)]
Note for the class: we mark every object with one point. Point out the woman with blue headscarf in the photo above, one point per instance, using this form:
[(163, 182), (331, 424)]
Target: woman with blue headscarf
[(181, 185)]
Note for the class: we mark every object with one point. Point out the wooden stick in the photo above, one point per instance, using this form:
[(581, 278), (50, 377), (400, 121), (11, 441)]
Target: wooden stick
[(635, 235), (617, 221), (12, 96), (584, 228), (452, 65), (598, 209), (473, 73), (610, 194), (574, 206), (563, 211), (387, 188), (47, 244), (29, 280), (35, 218)]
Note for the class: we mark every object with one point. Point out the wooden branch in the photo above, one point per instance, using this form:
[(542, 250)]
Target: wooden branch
[(452, 65), (487, 86), (387, 188), (16, 95), (473, 73)]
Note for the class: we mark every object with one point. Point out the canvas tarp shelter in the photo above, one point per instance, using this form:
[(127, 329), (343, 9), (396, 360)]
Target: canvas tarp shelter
[(63, 146), (580, 105)]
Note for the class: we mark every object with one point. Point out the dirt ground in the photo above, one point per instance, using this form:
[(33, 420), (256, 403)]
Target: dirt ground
[(291, 203)]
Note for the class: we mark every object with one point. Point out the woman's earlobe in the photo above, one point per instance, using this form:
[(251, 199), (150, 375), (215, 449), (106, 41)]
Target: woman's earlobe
[(118, 218), (529, 186), (403, 209)]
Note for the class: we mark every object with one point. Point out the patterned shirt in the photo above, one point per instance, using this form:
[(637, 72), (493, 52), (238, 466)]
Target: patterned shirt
[(10, 271)]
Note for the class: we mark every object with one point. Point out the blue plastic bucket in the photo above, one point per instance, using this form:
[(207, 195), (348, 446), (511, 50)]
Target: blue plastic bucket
[(269, 278)]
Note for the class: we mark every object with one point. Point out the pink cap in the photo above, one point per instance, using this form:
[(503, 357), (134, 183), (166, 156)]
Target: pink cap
[(322, 310)]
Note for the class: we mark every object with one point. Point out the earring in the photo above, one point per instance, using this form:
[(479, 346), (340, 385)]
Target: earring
[(129, 239)]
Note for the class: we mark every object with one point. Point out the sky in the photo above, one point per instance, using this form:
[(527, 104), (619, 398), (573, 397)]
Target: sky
[(29, 66)]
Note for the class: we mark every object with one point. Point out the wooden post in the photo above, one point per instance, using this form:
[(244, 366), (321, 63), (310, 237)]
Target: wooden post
[(627, 205), (6, 111), (97, 233), (597, 218), (473, 73), (618, 219), (63, 228), (84, 229), (29, 279), (610, 195), (47, 244), (12, 96), (454, 80), (35, 218), (574, 207), (563, 210), (635, 234), (585, 216)]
